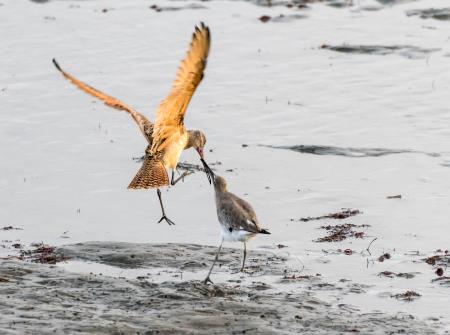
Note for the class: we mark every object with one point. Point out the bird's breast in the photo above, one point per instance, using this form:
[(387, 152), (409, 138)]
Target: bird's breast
[(173, 151)]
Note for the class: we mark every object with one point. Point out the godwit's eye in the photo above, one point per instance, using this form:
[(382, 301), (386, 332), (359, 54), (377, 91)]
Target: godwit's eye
[(230, 229)]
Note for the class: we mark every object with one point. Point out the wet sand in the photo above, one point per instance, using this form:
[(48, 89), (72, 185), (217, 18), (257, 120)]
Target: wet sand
[(50, 299)]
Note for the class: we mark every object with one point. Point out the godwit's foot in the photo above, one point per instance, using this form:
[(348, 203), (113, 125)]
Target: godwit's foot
[(207, 280), (165, 218), (184, 174)]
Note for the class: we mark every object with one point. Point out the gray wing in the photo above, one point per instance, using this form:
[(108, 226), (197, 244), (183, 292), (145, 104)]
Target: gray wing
[(250, 212), (242, 214)]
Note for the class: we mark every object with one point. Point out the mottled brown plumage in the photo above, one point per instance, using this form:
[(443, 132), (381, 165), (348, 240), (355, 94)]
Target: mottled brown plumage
[(152, 174), (168, 137)]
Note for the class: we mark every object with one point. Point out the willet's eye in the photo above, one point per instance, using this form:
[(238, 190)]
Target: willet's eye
[(230, 229)]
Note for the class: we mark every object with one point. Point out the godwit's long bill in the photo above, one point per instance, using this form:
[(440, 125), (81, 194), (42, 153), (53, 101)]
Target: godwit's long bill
[(238, 221), (168, 137)]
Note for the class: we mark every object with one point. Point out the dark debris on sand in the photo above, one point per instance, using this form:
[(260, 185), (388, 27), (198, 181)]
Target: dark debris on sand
[(300, 4), (281, 18), (289, 278), (158, 9), (42, 253), (10, 228), (389, 274), (442, 14), (340, 232), (443, 281), (408, 51), (442, 259), (347, 151), (343, 214), (397, 196), (384, 256), (407, 296)]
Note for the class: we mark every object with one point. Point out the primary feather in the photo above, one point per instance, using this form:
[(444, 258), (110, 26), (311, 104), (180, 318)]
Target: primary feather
[(143, 123), (170, 115)]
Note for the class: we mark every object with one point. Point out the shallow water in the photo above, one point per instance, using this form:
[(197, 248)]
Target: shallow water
[(66, 159)]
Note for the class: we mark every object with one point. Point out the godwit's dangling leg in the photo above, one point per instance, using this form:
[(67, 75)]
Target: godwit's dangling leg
[(173, 181), (207, 279), (164, 217), (245, 255)]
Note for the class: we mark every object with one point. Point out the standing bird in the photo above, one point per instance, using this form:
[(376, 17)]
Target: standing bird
[(168, 137), (238, 221)]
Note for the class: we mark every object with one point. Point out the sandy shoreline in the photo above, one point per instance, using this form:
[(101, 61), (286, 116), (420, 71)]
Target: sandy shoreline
[(53, 300)]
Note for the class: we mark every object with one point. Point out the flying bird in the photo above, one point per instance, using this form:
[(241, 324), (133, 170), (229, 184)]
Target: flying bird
[(167, 137), (237, 218)]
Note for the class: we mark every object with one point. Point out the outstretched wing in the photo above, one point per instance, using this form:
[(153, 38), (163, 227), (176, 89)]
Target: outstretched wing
[(144, 124), (171, 112)]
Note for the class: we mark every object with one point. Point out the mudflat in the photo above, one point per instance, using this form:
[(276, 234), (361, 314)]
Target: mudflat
[(50, 299)]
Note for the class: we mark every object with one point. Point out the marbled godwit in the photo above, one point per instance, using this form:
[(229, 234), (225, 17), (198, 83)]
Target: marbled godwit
[(168, 137), (238, 221)]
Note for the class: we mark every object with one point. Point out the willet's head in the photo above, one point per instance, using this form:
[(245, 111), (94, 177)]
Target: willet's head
[(220, 184)]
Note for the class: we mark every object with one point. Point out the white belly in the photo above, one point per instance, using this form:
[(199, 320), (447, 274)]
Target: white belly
[(235, 235)]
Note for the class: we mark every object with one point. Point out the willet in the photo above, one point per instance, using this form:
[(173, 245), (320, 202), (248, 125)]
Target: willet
[(168, 137), (238, 221)]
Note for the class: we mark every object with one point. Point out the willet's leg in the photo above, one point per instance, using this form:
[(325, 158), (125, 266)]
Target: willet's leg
[(164, 217), (184, 174), (245, 255), (207, 279)]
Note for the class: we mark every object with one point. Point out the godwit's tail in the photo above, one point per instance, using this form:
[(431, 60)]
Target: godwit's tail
[(152, 174)]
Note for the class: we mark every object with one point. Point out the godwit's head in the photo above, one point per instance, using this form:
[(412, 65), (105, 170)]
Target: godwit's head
[(197, 140), (220, 184)]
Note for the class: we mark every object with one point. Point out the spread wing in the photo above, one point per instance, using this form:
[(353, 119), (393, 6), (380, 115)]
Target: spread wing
[(144, 124), (171, 112)]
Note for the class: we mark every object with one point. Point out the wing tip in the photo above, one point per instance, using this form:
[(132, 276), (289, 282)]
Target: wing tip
[(201, 32), (201, 27), (264, 231)]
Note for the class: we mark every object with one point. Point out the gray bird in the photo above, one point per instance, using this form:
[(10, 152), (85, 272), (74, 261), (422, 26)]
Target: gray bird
[(238, 221)]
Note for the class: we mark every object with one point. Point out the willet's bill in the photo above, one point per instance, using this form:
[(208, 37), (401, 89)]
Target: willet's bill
[(238, 221), (168, 137)]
